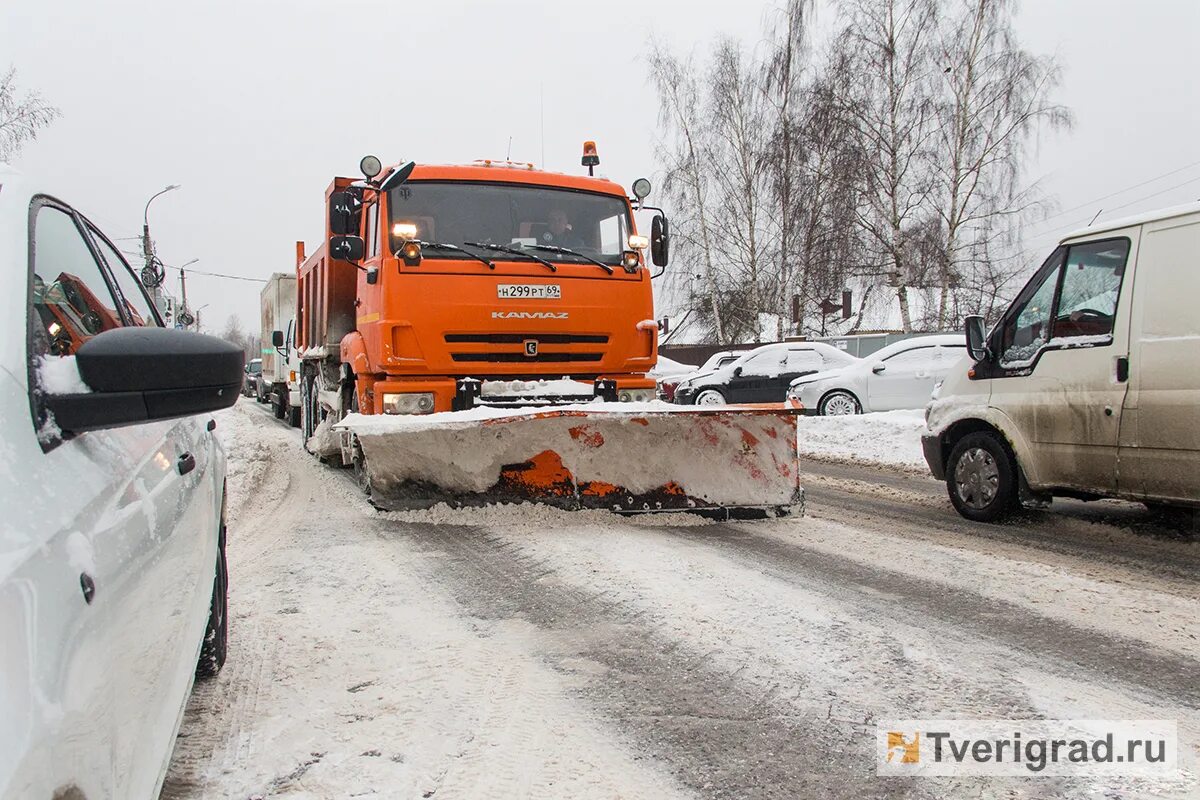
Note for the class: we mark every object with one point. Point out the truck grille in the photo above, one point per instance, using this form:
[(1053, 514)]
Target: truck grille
[(518, 338), (514, 358), (508, 348)]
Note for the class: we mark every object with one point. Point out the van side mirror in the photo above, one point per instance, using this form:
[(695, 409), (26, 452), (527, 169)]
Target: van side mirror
[(139, 375), (660, 240), (976, 337), (347, 248), (277, 339)]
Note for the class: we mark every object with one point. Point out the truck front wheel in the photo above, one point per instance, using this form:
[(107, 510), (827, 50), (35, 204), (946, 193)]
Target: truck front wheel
[(981, 477)]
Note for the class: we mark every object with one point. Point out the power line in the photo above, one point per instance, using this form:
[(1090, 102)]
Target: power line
[(1122, 191), (216, 274)]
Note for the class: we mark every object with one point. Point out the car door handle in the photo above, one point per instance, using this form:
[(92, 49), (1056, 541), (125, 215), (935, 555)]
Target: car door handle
[(186, 463)]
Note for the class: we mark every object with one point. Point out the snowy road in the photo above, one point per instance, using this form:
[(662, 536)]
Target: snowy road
[(533, 653)]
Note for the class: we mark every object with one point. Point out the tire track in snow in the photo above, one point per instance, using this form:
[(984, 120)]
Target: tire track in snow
[(715, 733), (887, 593)]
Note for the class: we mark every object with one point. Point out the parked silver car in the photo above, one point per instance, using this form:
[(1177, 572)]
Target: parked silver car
[(901, 375)]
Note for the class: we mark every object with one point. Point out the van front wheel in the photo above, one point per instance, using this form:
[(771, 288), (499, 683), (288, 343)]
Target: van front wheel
[(981, 477)]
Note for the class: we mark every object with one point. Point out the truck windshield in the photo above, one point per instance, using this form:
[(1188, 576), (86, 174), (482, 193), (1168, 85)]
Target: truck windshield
[(595, 225)]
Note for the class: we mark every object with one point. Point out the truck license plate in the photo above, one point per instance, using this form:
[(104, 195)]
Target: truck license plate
[(526, 291)]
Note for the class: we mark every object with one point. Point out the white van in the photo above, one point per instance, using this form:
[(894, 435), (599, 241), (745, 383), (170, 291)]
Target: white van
[(1089, 384)]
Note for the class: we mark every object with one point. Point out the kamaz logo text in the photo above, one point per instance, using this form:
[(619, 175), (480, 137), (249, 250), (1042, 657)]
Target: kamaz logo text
[(529, 315)]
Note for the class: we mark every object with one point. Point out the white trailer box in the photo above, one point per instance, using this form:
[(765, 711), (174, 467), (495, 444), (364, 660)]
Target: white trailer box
[(280, 359)]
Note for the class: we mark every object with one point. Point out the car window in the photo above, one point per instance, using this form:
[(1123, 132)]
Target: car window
[(911, 358), (72, 299), (1028, 327), (803, 361), (132, 294), (1091, 282), (769, 363)]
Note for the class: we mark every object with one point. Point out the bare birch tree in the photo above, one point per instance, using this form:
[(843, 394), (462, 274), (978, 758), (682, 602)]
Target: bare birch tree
[(21, 118), (889, 44), (687, 166), (994, 99)]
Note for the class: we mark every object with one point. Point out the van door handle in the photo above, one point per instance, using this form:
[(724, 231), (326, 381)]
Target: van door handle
[(186, 463), (1122, 369)]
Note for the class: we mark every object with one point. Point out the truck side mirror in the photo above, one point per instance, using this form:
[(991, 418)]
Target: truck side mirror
[(660, 240), (342, 213), (277, 339), (976, 337), (347, 248)]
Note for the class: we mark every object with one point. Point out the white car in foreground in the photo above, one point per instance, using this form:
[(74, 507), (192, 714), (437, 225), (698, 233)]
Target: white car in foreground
[(112, 567), (901, 375)]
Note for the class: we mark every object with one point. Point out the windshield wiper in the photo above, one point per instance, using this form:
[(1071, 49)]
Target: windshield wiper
[(499, 248), (550, 248), (455, 248)]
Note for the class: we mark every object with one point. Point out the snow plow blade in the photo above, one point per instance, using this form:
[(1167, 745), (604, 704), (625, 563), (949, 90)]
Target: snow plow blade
[(725, 462)]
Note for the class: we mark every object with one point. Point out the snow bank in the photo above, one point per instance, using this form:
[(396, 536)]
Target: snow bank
[(891, 438), (60, 375)]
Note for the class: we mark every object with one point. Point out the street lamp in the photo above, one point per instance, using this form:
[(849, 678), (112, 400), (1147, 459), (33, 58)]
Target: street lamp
[(151, 276)]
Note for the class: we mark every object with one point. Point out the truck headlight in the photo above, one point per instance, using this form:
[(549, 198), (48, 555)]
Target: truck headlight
[(408, 403)]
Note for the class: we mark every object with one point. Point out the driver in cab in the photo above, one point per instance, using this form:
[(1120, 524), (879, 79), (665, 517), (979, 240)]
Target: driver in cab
[(558, 231)]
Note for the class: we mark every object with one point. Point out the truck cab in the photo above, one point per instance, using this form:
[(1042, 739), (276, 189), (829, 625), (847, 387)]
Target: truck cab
[(435, 289)]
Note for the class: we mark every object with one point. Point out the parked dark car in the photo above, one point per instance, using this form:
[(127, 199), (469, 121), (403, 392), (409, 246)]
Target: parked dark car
[(253, 373), (761, 375)]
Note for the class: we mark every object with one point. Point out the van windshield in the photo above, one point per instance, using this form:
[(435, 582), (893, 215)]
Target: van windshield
[(596, 225)]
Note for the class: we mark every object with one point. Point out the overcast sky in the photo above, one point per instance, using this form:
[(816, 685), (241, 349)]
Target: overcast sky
[(253, 105)]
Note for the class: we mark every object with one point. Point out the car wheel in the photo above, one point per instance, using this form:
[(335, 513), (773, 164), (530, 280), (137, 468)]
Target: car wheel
[(710, 397), (981, 477), (216, 635), (839, 404)]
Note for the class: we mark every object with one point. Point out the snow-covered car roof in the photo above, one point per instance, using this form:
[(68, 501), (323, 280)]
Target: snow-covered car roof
[(667, 367), (820, 347), (937, 340)]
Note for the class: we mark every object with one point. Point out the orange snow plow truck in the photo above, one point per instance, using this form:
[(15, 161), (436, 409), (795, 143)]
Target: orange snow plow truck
[(483, 333)]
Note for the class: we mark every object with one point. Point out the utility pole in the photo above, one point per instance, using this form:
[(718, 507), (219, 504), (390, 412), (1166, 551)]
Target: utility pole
[(152, 273)]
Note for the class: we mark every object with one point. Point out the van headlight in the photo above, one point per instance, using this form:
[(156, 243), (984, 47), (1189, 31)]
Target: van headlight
[(408, 403)]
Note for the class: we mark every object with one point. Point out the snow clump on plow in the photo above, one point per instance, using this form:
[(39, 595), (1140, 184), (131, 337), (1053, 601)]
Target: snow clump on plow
[(632, 458)]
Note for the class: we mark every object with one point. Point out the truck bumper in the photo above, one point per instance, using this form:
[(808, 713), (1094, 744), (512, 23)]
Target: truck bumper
[(931, 446)]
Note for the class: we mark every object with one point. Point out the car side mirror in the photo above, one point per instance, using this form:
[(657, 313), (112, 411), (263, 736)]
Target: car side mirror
[(347, 248), (277, 339), (976, 337), (660, 240), (140, 375), (878, 368), (737, 372)]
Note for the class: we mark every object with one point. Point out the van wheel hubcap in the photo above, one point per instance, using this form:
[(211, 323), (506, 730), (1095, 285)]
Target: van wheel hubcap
[(977, 478)]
